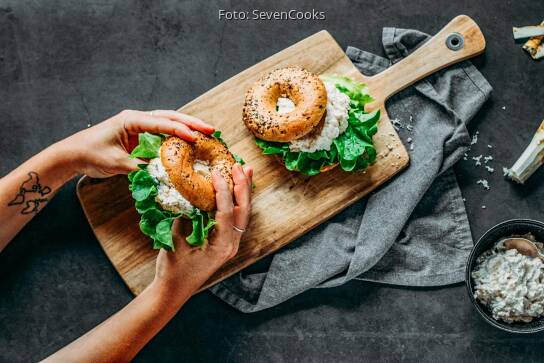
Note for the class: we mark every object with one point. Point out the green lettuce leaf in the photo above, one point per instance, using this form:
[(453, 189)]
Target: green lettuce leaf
[(353, 149), (202, 225), (238, 159), (270, 148), (163, 234), (143, 185), (217, 135), (148, 146)]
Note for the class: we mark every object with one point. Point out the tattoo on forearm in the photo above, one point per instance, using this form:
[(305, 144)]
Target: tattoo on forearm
[(31, 194)]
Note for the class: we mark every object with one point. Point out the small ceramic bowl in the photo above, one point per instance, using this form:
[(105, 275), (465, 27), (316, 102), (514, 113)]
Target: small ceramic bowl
[(486, 242)]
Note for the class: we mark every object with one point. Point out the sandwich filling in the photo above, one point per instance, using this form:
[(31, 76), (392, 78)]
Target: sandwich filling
[(202, 167), (167, 196), (284, 105), (336, 122)]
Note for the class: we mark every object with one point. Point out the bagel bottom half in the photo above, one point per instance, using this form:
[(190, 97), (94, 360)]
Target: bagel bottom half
[(179, 158)]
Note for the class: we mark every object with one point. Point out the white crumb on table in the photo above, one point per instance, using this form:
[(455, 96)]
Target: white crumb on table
[(488, 158), (396, 124), (489, 169), (478, 160), (484, 183), (474, 138)]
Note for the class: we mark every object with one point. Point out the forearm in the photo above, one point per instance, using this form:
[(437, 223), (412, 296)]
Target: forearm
[(123, 335), (27, 189)]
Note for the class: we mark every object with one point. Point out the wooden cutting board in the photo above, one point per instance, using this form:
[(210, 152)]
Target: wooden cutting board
[(285, 204)]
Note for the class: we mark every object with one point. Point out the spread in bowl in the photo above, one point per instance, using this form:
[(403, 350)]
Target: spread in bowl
[(509, 284)]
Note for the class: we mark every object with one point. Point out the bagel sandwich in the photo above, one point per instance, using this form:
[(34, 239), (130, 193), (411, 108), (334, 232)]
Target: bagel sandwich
[(313, 123), (176, 183)]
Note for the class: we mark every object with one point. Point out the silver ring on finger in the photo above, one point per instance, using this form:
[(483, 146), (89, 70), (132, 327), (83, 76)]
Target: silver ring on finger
[(239, 230)]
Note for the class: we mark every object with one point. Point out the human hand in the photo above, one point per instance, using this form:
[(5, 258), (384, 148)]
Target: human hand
[(103, 150), (188, 267)]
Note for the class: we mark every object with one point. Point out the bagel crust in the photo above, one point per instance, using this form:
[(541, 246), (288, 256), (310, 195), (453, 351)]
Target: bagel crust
[(304, 89), (179, 156)]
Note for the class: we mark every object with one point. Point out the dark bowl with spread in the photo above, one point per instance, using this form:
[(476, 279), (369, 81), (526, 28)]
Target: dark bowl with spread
[(485, 243)]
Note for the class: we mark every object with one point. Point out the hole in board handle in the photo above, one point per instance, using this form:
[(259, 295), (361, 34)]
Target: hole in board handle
[(455, 41)]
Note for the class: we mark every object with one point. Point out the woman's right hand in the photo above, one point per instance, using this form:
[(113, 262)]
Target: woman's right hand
[(104, 149), (190, 267)]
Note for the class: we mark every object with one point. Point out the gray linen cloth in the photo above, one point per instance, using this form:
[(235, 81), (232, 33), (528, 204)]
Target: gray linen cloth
[(412, 231)]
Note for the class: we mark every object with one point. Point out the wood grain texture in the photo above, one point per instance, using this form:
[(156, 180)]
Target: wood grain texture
[(427, 59), (285, 204)]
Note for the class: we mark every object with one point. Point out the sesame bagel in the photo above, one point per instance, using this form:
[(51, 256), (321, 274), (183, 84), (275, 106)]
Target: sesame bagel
[(303, 88), (179, 157)]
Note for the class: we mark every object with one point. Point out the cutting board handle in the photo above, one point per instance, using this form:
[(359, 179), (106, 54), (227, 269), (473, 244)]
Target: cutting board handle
[(457, 41)]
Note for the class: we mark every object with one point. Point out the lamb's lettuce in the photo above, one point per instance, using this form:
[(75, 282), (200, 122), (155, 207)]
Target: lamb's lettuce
[(353, 149), (148, 146), (202, 225), (155, 221)]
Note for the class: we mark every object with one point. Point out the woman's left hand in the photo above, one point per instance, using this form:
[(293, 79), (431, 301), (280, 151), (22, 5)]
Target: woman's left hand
[(104, 150), (188, 268)]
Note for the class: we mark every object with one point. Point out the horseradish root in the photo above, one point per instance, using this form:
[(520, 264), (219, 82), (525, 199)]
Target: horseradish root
[(530, 160)]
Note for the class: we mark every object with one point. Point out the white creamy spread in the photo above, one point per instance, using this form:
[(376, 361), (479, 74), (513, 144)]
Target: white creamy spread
[(202, 167), (510, 284), (168, 197), (284, 105), (336, 122)]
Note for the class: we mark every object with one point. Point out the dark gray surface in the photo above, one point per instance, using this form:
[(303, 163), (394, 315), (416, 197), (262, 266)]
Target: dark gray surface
[(64, 64)]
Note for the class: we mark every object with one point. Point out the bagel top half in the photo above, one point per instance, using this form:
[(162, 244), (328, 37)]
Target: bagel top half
[(178, 157), (305, 89)]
